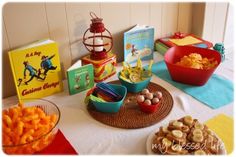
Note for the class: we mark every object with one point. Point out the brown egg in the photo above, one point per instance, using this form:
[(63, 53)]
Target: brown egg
[(149, 96), (147, 102), (145, 91), (140, 98), (158, 94), (155, 100)]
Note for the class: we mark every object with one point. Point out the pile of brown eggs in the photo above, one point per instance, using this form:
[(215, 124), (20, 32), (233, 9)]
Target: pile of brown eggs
[(149, 98)]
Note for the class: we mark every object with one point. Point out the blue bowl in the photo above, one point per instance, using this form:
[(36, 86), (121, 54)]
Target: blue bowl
[(111, 107), (134, 87)]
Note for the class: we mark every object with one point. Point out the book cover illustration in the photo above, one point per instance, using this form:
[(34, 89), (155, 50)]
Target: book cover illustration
[(36, 69), (139, 42), (80, 77)]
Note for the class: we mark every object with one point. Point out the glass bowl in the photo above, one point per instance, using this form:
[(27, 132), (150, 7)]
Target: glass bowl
[(38, 143)]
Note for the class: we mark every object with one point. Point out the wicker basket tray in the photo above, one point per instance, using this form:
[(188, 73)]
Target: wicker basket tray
[(130, 116)]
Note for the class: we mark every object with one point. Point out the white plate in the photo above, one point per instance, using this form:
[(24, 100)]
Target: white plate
[(152, 135)]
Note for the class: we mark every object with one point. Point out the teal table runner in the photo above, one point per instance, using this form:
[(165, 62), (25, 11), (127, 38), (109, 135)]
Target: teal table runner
[(217, 92)]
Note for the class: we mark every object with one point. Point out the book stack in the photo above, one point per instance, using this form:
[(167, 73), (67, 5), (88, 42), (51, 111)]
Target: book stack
[(180, 39)]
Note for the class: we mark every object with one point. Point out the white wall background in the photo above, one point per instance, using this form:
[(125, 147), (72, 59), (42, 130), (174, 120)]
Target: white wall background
[(65, 23), (229, 31)]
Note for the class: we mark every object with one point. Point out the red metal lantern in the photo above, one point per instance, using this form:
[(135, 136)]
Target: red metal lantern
[(97, 39)]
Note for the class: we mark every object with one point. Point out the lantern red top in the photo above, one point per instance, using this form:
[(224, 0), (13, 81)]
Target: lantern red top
[(96, 26), (97, 39)]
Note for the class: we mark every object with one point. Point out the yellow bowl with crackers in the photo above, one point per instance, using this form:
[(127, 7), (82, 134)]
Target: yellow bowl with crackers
[(29, 127), (191, 65)]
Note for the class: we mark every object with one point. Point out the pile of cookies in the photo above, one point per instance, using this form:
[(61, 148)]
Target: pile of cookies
[(185, 136)]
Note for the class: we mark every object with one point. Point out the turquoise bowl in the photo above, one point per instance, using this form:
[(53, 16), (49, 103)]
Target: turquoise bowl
[(111, 107), (134, 87)]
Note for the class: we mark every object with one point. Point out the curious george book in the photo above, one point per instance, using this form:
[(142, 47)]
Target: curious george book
[(36, 69)]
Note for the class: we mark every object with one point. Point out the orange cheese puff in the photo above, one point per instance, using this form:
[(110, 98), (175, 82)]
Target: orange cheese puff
[(10, 110), (40, 131), (23, 139), (25, 136), (45, 120), (5, 112), (35, 146), (53, 118), (7, 120), (28, 126), (6, 140), (30, 118), (5, 129), (13, 113), (34, 123), (40, 112), (28, 111), (43, 144), (21, 105), (19, 110), (16, 139), (19, 128), (29, 138), (46, 138)]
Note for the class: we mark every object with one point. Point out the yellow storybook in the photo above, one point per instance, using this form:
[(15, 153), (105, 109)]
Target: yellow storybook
[(36, 69)]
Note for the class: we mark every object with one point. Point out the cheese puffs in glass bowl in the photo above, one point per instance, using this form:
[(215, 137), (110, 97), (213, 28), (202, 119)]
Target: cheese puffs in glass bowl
[(28, 126)]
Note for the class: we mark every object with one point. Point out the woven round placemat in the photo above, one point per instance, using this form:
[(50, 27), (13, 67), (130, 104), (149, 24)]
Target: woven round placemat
[(130, 116)]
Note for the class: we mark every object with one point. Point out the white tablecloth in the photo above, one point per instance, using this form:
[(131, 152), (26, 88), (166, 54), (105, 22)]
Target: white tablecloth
[(89, 136)]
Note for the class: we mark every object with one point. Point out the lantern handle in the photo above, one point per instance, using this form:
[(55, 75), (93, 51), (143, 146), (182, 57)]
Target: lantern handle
[(92, 14)]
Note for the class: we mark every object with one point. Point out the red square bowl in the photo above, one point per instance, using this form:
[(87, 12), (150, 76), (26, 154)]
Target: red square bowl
[(196, 77), (149, 108)]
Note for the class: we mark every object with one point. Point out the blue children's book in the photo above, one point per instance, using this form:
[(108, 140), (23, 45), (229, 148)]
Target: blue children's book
[(139, 42)]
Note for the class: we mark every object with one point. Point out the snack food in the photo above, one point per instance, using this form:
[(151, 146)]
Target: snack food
[(149, 98), (186, 136), (148, 101), (27, 129), (195, 60), (135, 74)]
